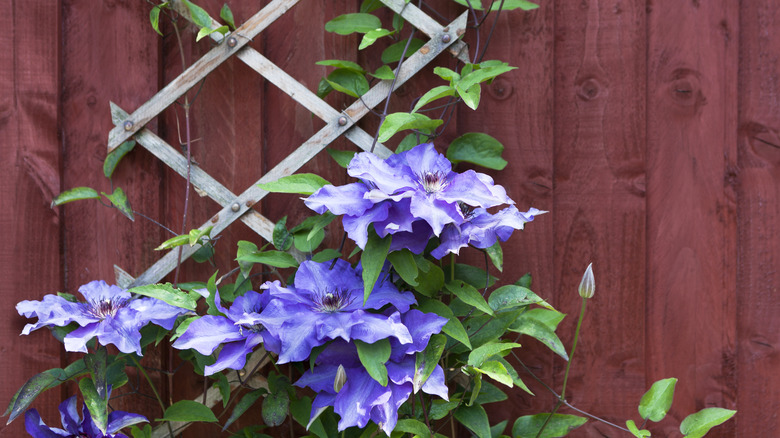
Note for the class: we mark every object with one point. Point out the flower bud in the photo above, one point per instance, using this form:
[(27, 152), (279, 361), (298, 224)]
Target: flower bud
[(341, 378), (588, 284)]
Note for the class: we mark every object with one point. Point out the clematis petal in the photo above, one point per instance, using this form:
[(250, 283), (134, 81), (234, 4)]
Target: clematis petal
[(76, 340), (368, 167), (69, 415), (122, 331), (38, 429), (468, 188), (119, 419), (233, 354), (342, 200), (425, 159), (206, 333), (157, 312), (357, 226), (52, 310), (99, 290), (436, 212)]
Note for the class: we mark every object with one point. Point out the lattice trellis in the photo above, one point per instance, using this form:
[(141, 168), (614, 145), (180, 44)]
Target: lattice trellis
[(337, 122)]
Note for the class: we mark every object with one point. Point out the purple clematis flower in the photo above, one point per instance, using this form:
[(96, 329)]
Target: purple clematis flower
[(75, 427), (325, 304), (109, 313), (361, 398), (414, 187), (481, 229), (240, 331)]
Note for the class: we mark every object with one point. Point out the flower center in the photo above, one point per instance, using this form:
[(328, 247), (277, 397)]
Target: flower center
[(333, 301), (104, 308), (433, 182)]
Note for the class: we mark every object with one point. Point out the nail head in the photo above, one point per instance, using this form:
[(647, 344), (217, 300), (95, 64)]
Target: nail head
[(342, 120), (446, 38), (128, 125), (232, 42), (235, 207)]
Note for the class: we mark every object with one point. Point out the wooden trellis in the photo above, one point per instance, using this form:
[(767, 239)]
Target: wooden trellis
[(338, 123)]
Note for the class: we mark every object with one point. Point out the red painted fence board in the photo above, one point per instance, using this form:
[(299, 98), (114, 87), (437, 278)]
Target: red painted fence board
[(649, 129)]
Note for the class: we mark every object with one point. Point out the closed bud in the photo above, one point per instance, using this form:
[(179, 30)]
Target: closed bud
[(588, 284), (340, 380)]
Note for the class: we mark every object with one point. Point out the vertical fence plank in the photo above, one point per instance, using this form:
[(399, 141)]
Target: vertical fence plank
[(517, 109), (599, 200), (758, 328), (692, 126), (29, 264), (110, 53)]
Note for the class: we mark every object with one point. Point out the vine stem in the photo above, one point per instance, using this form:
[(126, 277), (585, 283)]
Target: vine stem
[(154, 390), (562, 397)]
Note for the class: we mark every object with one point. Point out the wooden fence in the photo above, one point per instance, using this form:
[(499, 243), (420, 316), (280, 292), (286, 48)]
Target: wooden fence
[(649, 130)]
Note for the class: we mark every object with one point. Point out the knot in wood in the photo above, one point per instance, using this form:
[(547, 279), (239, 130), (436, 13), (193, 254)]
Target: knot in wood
[(500, 89), (589, 89)]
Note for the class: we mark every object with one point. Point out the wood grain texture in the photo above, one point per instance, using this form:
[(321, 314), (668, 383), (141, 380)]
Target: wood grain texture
[(599, 206), (517, 109), (692, 138), (96, 62), (758, 210), (30, 257)]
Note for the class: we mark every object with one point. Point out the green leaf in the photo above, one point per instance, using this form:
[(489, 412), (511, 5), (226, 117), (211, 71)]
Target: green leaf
[(323, 88), (222, 384), (303, 183), (393, 52), (113, 157), (325, 255), (166, 292), (440, 408), (509, 296), (430, 278), (697, 425), (558, 426), (480, 354), (226, 14), (119, 200), (384, 72), (527, 325), (404, 264), (301, 411), (476, 385), (426, 361), (97, 404), (343, 158), (308, 240), (348, 82), (489, 393), (206, 31), (453, 328), (154, 18), (277, 259), (496, 255), (469, 295), (446, 74), (199, 16), (282, 239), (473, 275), (97, 363), (508, 5), (351, 23), (32, 389), (197, 234), (275, 407), (434, 94), (75, 194), (635, 430), (340, 63), (525, 280), (410, 141), (486, 72), (373, 357), (373, 259), (658, 400), (414, 427), (477, 148), (370, 5), (496, 371), (470, 95), (475, 419), (400, 121), (246, 402), (137, 432), (371, 36), (173, 242), (188, 411)]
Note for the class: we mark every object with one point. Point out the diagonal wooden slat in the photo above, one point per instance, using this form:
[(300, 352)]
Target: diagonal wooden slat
[(311, 147), (197, 71), (427, 25)]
